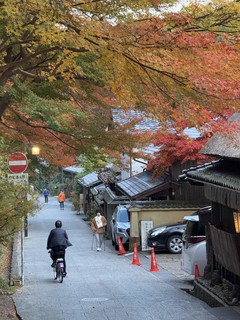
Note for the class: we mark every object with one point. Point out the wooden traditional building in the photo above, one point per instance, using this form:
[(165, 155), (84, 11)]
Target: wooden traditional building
[(221, 181)]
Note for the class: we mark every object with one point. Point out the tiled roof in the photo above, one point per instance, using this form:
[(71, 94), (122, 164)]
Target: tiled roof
[(146, 121), (168, 204), (108, 176), (73, 169), (89, 180), (139, 184), (95, 190), (192, 132), (222, 173), (111, 198)]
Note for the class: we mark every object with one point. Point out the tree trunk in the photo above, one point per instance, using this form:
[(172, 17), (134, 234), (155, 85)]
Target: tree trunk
[(4, 103)]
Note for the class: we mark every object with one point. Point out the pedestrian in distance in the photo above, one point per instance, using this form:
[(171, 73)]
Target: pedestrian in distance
[(46, 194), (61, 199), (58, 242), (98, 226)]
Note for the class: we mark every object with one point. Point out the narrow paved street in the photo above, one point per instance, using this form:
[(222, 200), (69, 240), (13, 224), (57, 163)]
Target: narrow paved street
[(101, 285)]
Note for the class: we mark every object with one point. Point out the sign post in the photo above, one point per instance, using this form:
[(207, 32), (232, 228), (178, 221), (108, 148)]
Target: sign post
[(17, 164)]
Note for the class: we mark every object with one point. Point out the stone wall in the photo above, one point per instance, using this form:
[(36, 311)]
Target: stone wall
[(158, 216)]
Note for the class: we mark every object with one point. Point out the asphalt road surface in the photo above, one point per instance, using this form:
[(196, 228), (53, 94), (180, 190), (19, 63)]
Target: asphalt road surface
[(102, 285)]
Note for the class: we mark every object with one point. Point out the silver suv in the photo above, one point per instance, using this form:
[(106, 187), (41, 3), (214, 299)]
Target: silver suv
[(120, 225)]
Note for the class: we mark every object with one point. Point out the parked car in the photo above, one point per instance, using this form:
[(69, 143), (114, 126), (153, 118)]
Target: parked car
[(194, 244), (120, 225), (167, 237)]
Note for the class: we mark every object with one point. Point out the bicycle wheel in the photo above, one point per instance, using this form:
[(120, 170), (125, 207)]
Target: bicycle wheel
[(60, 275), (55, 273)]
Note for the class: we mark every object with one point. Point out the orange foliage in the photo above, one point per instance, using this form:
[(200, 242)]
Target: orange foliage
[(182, 68)]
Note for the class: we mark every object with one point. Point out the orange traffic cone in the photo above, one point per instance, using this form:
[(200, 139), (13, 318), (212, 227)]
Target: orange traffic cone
[(196, 272), (154, 266), (135, 256), (120, 247)]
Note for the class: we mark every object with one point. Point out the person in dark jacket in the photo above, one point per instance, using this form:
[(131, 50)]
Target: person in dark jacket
[(58, 242), (46, 194)]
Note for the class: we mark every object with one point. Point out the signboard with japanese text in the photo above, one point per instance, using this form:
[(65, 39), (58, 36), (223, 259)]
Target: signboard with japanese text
[(21, 178), (145, 227)]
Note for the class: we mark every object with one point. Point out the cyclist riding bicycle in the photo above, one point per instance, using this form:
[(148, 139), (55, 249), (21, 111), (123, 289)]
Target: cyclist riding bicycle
[(58, 242)]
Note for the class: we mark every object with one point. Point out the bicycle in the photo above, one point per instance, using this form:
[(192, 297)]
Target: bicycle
[(58, 270), (58, 266)]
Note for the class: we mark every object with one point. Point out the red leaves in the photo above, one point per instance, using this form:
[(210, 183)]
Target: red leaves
[(197, 40), (176, 144), (175, 147)]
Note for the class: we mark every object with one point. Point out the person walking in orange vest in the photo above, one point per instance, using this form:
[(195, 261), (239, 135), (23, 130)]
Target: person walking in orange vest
[(61, 199)]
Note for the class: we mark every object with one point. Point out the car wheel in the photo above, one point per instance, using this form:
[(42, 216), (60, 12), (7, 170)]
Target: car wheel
[(115, 243), (113, 239), (174, 244)]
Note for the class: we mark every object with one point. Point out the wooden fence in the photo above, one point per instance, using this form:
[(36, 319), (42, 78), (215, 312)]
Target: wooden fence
[(226, 248)]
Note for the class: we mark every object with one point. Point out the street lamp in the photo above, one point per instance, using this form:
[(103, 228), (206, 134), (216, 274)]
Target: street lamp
[(35, 150)]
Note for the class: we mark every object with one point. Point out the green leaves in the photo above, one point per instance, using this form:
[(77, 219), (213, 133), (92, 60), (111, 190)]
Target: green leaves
[(16, 201), (64, 64)]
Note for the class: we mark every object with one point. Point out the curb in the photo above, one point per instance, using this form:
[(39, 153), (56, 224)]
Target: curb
[(16, 272)]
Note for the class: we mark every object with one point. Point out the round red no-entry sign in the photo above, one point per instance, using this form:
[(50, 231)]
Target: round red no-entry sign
[(17, 162)]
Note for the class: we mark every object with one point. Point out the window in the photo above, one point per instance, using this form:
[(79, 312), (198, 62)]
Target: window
[(193, 229), (123, 216)]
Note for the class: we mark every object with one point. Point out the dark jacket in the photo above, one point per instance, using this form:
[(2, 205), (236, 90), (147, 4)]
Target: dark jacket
[(45, 192), (58, 237)]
